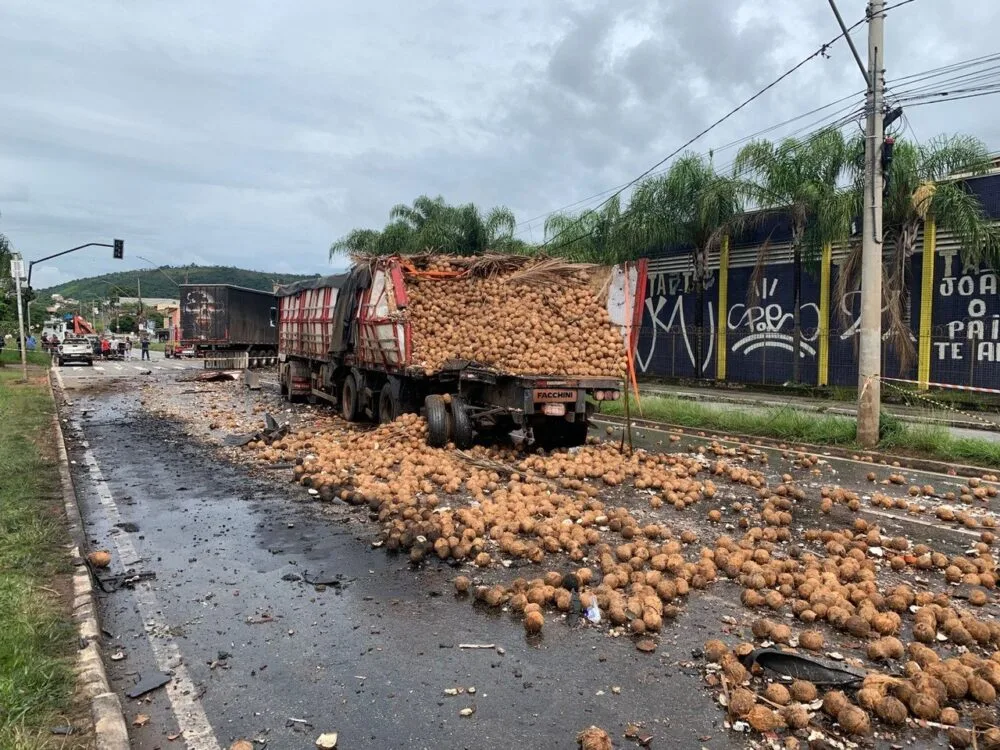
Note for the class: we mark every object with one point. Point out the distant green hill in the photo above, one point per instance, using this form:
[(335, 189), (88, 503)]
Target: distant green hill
[(155, 283)]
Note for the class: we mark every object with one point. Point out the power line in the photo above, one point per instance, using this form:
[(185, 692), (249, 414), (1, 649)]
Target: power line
[(822, 50)]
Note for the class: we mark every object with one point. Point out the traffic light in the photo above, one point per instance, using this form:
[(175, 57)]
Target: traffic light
[(119, 249)]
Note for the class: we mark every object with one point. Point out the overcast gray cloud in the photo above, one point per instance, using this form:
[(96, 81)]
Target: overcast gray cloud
[(255, 133)]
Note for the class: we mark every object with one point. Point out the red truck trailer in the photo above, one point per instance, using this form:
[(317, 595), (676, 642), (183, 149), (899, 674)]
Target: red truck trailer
[(347, 339)]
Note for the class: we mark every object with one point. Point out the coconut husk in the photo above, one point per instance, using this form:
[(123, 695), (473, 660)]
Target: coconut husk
[(594, 738)]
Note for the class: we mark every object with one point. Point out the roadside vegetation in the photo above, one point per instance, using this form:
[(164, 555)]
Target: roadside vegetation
[(931, 441), (11, 358), (37, 637)]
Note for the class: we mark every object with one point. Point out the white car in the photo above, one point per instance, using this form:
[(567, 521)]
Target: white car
[(75, 350)]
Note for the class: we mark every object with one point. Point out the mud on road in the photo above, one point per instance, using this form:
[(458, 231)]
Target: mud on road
[(369, 648)]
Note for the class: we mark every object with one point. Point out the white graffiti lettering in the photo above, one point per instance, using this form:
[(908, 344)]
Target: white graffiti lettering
[(762, 324)]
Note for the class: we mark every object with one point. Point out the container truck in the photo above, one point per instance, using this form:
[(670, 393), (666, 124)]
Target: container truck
[(222, 319), (348, 339)]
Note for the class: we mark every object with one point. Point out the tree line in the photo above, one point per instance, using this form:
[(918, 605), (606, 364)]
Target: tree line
[(814, 184)]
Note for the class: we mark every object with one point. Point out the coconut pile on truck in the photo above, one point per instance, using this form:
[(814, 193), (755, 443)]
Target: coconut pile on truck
[(485, 344)]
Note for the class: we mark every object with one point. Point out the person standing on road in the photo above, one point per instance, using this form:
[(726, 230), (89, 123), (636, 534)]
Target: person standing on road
[(144, 340), (128, 348)]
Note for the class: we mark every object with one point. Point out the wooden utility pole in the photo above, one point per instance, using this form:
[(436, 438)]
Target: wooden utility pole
[(870, 349)]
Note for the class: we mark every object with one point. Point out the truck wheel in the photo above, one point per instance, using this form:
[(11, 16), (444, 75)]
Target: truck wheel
[(349, 408), (437, 421), (282, 385), (388, 405), (461, 423)]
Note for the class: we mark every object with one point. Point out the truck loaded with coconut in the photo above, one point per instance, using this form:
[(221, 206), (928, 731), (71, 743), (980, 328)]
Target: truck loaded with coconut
[(484, 345)]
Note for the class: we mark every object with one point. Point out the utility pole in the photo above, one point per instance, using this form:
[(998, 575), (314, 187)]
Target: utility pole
[(870, 350)]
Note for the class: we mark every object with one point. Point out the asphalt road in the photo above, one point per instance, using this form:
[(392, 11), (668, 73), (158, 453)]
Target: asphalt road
[(369, 658), (255, 652)]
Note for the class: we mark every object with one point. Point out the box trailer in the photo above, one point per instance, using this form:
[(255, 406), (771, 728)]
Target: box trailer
[(229, 319)]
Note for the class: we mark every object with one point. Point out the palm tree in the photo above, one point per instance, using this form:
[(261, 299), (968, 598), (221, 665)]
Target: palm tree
[(800, 179), (594, 236), (921, 183), (432, 225), (691, 206)]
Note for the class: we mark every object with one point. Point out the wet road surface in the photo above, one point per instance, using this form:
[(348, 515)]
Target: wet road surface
[(368, 655)]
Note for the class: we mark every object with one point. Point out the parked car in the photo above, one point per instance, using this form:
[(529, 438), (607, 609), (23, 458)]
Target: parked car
[(75, 350)]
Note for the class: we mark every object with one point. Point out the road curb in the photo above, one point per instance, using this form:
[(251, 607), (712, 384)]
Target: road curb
[(109, 718)]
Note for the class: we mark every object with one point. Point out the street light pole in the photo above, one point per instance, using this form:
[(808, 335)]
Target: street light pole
[(870, 349)]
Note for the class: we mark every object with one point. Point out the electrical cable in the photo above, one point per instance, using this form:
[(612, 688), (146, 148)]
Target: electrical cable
[(822, 49)]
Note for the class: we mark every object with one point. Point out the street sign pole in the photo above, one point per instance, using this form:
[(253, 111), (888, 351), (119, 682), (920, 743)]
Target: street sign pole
[(17, 270)]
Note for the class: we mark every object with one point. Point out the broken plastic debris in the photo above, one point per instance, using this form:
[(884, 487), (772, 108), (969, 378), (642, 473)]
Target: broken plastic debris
[(327, 741), (801, 667), (593, 611), (467, 712)]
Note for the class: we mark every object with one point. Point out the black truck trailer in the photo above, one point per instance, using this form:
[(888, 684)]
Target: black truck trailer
[(220, 319)]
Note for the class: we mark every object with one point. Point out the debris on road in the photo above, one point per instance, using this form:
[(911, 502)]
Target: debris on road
[(212, 376), (477, 645), (327, 741), (802, 667), (140, 720), (147, 683), (241, 745)]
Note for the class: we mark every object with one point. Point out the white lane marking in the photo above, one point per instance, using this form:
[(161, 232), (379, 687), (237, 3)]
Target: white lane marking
[(179, 367), (136, 367), (98, 368), (187, 708), (118, 367), (157, 367)]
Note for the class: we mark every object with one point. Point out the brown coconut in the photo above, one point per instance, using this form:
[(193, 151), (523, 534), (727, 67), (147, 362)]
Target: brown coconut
[(716, 649), (795, 716), (981, 690), (949, 716), (891, 710), (763, 719), (777, 693), (833, 702), (803, 691), (811, 640), (533, 622), (854, 720), (594, 738), (741, 702)]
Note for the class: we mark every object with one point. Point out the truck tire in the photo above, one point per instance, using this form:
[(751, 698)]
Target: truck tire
[(282, 385), (461, 423), (349, 400), (389, 407), (437, 421)]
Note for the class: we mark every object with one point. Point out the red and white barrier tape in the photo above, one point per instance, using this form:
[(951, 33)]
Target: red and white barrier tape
[(973, 388)]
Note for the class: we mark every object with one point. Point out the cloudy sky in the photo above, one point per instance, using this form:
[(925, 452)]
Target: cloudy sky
[(255, 133)]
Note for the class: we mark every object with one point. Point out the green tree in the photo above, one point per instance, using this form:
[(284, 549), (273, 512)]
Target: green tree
[(801, 180), (592, 236), (691, 206), (924, 181)]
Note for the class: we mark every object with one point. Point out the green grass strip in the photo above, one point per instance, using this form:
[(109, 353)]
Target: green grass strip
[(36, 634)]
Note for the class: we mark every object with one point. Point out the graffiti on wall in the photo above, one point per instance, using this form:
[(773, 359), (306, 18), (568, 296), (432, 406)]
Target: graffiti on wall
[(769, 323), (972, 325), (669, 315)]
